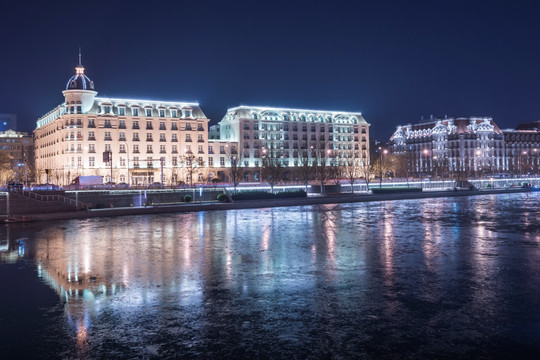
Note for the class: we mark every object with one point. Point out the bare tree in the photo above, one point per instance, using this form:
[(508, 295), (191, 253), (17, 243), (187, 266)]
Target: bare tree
[(306, 165), (272, 168), (367, 170), (191, 163), (6, 170), (320, 161), (236, 169), (352, 171)]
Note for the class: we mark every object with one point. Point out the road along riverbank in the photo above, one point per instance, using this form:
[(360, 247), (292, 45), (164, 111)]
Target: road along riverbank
[(252, 204)]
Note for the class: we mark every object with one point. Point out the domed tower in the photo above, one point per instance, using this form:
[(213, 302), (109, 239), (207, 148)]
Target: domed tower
[(80, 92)]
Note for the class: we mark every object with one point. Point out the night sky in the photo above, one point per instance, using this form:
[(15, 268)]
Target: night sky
[(394, 61)]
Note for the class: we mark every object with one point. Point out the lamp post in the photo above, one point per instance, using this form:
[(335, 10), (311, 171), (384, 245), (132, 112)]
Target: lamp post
[(381, 164), (524, 153), (426, 153), (478, 162), (127, 164)]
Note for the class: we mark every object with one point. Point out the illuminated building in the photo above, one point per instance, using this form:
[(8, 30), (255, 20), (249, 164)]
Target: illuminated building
[(522, 147), (142, 136), (451, 146), (18, 148), (287, 133)]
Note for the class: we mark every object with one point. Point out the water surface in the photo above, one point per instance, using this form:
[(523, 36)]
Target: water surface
[(445, 278)]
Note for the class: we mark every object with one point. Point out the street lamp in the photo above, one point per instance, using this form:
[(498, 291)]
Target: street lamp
[(381, 164), (128, 177), (478, 162)]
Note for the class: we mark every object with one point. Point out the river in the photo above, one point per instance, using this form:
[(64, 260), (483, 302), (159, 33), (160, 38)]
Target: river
[(429, 278)]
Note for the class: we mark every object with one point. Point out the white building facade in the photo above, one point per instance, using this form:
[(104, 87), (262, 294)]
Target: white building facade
[(285, 132), (451, 146)]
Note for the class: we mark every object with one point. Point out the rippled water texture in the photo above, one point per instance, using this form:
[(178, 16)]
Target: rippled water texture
[(444, 278)]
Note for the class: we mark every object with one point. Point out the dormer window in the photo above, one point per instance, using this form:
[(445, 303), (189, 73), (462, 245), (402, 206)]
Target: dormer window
[(174, 113), (161, 113), (121, 111), (135, 111), (187, 112), (106, 109), (148, 112)]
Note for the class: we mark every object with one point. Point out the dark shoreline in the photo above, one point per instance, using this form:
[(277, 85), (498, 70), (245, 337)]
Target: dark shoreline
[(255, 204)]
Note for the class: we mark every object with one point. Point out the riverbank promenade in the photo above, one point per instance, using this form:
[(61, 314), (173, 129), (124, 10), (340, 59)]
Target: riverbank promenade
[(311, 199)]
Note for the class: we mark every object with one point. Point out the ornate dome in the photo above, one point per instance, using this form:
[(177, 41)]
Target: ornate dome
[(79, 81)]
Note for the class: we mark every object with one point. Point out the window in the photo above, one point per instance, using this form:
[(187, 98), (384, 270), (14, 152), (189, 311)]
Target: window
[(122, 136), (108, 135), (136, 161), (200, 138), (162, 149), (174, 125), (135, 136), (174, 138), (148, 112), (149, 149), (188, 137), (135, 149), (187, 113), (135, 111), (174, 113), (162, 125), (148, 136), (122, 161), (122, 124), (188, 126), (175, 161), (210, 149), (210, 161), (149, 125), (161, 113), (91, 135), (200, 149), (121, 111), (222, 161), (79, 109), (91, 148), (174, 149), (188, 149), (91, 123), (106, 109), (200, 127), (135, 124), (79, 161), (200, 161), (162, 137), (122, 148), (149, 163), (108, 147), (91, 161)]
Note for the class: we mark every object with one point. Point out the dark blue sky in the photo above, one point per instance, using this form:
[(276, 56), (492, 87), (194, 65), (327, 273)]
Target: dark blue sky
[(392, 60)]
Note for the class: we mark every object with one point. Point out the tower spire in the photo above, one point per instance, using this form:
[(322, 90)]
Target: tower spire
[(79, 69)]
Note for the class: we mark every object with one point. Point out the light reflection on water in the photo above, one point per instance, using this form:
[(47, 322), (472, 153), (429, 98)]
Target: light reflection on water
[(411, 278)]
